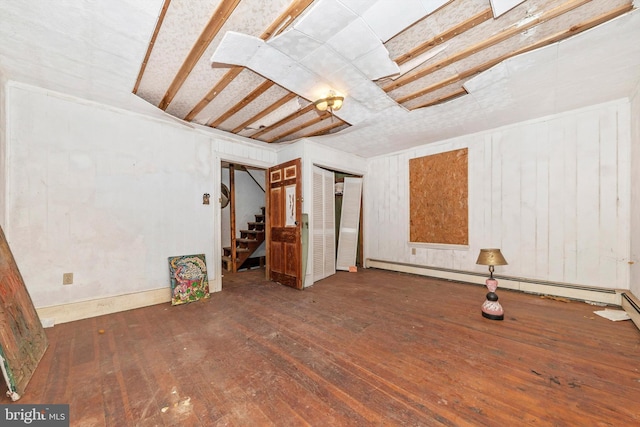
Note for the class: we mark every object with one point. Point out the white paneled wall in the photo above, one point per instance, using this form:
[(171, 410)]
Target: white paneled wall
[(552, 193)]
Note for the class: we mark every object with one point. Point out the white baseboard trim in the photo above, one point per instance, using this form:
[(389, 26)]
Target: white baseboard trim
[(63, 313), (577, 292)]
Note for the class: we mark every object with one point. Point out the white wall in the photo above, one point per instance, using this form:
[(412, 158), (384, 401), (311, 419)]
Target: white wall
[(108, 195), (552, 193), (635, 192)]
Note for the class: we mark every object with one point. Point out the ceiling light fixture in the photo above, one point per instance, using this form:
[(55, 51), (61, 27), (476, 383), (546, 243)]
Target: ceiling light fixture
[(331, 103)]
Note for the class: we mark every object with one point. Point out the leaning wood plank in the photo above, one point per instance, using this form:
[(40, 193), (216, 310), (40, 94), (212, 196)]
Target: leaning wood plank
[(22, 338)]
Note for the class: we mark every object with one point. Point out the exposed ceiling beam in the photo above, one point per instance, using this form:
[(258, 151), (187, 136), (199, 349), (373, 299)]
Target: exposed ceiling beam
[(273, 107), (156, 30), (445, 36), (575, 29), (325, 129), (491, 41), (217, 20), (439, 100), (266, 85), (323, 116), (277, 26), (219, 87), (287, 119)]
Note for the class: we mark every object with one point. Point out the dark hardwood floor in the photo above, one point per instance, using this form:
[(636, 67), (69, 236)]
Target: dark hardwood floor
[(355, 349)]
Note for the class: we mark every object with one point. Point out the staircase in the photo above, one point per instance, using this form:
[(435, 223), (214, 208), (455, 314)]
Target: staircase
[(249, 240)]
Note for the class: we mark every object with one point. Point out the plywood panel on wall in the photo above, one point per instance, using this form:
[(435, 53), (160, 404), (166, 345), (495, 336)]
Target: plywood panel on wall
[(438, 198), (552, 193)]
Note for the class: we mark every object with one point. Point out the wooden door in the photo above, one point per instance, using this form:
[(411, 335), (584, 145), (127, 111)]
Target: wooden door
[(284, 224)]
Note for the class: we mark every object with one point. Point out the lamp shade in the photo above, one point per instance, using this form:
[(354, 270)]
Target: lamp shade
[(322, 104), (491, 257), (332, 102)]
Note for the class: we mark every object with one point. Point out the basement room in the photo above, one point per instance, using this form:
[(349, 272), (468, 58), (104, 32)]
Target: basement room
[(320, 213)]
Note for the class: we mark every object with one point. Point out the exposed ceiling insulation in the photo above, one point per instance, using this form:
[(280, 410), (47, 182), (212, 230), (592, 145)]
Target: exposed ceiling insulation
[(411, 71)]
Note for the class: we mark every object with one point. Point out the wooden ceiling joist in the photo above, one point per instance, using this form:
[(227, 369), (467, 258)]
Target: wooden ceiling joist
[(156, 30), (575, 29), (323, 116), (286, 18), (491, 41), (219, 17), (475, 41), (266, 85), (273, 107), (445, 36), (219, 87), (325, 130), (442, 99), (287, 119), (276, 27)]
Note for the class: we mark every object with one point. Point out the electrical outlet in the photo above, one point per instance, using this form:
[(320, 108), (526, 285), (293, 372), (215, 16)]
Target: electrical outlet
[(67, 278), (413, 251)]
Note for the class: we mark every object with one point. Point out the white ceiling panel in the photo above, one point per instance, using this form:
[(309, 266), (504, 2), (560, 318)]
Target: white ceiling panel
[(358, 6), (95, 50), (388, 17), (376, 64), (295, 44), (324, 19), (354, 40), (499, 7), (236, 49)]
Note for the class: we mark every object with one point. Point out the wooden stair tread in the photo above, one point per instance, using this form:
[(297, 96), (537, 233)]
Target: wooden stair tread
[(242, 240), (228, 248), (248, 243)]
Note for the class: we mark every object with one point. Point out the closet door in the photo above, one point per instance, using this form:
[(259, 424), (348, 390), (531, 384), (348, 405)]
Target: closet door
[(349, 223), (324, 232)]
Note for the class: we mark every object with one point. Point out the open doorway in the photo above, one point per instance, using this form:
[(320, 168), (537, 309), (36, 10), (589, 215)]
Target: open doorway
[(242, 219)]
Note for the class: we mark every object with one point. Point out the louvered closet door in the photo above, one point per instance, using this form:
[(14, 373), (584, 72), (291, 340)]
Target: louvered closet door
[(324, 232), (349, 223)]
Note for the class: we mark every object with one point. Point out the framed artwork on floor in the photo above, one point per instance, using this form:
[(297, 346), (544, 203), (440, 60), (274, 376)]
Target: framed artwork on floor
[(188, 275)]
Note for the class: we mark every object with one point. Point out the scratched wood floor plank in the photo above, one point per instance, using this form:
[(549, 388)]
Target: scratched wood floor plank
[(366, 348)]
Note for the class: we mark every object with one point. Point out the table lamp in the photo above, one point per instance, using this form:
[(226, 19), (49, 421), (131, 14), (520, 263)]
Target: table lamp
[(491, 309)]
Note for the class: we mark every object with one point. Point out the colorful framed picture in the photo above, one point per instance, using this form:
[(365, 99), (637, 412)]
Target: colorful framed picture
[(188, 274)]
